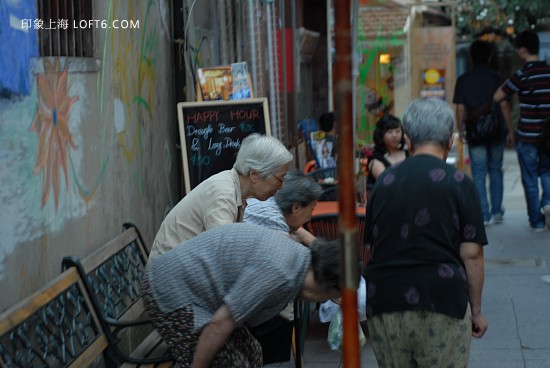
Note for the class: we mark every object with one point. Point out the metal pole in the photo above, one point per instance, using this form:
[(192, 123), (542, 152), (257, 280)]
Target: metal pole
[(329, 56), (346, 183), (286, 125)]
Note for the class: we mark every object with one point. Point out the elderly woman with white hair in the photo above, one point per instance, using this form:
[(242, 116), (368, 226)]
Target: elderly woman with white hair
[(258, 172)]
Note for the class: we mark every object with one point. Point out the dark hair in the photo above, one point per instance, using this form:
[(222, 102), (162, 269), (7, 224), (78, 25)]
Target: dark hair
[(326, 121), (385, 123), (529, 40), (325, 263), (480, 52)]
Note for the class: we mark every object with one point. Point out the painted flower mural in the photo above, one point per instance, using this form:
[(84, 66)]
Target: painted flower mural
[(51, 124)]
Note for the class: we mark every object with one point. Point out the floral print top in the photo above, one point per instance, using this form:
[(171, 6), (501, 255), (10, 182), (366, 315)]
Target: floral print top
[(418, 214)]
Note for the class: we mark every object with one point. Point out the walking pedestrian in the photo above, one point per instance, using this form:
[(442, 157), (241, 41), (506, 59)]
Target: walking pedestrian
[(532, 85), (474, 92), (425, 228)]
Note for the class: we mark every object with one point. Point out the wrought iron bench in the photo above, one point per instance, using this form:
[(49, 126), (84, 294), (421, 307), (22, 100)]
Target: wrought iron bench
[(54, 327), (112, 276)]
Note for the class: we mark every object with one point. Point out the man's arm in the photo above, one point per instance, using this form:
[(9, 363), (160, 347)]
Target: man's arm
[(213, 336), (460, 117), (472, 255), (507, 114), (499, 94)]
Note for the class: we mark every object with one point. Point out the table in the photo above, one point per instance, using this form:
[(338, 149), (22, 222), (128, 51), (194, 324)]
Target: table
[(332, 207), (324, 223)]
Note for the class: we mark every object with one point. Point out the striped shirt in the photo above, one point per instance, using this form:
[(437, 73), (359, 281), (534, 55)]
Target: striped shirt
[(532, 84), (265, 213), (253, 270)]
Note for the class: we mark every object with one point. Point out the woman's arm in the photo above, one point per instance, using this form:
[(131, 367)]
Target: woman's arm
[(472, 255), (376, 168), (213, 336), (303, 236)]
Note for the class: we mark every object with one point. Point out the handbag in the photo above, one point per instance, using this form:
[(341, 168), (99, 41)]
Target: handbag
[(484, 125)]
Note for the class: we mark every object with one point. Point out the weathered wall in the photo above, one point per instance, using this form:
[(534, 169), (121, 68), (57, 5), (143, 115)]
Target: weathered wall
[(91, 146)]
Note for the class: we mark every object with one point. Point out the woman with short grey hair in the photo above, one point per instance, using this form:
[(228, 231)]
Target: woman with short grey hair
[(259, 170), (425, 228), (263, 154), (298, 189), (429, 120), (287, 212), (289, 209)]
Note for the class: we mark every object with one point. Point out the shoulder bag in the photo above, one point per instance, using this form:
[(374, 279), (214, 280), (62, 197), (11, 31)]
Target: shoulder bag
[(484, 125)]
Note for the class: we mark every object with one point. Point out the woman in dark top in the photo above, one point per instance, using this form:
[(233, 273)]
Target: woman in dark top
[(388, 146)]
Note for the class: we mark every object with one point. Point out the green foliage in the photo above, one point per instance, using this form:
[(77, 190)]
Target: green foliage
[(476, 16)]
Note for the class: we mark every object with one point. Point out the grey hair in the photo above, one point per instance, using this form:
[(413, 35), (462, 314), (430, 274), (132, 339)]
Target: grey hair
[(262, 153), (429, 121), (297, 188)]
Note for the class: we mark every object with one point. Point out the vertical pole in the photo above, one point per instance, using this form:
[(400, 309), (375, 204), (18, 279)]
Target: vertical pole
[(346, 182)]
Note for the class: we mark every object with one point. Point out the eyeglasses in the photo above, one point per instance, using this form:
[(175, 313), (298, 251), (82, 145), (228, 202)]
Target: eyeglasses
[(279, 179)]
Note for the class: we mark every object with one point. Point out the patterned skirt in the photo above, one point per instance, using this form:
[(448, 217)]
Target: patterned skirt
[(241, 350)]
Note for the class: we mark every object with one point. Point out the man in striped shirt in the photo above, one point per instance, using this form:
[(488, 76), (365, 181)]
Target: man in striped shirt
[(532, 84)]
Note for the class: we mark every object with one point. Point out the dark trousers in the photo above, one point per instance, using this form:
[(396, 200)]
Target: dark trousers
[(275, 337)]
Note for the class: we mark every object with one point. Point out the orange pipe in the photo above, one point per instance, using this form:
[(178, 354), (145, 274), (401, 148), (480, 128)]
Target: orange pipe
[(346, 182)]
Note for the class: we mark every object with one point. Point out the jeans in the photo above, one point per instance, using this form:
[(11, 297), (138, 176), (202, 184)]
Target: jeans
[(487, 159), (533, 166)]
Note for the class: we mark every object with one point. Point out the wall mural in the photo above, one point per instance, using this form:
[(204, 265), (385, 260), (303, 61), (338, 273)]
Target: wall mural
[(375, 89), (133, 56), (15, 78), (51, 125), (41, 142)]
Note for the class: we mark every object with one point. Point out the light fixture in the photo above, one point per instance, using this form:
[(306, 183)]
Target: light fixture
[(385, 58)]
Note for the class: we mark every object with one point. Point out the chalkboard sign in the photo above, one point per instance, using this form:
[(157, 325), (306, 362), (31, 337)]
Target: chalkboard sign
[(211, 133)]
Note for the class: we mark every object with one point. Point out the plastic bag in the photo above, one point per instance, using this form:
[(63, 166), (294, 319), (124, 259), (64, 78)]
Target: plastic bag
[(336, 333), (328, 308)]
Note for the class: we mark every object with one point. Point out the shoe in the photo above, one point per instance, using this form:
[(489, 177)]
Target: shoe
[(546, 211), (498, 219), (537, 229), (492, 221)]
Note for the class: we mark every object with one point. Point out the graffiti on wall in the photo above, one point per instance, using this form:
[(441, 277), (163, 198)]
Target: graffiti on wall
[(45, 156), (51, 125), (15, 78), (132, 58), (376, 82)]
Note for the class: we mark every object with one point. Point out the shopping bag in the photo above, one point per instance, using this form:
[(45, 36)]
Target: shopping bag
[(336, 332)]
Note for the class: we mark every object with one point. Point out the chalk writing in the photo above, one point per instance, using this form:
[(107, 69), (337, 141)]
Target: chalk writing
[(246, 127), (200, 160), (202, 117), (205, 132), (212, 133)]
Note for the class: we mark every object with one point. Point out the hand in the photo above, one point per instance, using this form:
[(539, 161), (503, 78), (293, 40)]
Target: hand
[(479, 325), (510, 140), (462, 136)]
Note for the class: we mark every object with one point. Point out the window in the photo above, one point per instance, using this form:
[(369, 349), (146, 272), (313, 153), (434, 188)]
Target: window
[(62, 33)]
